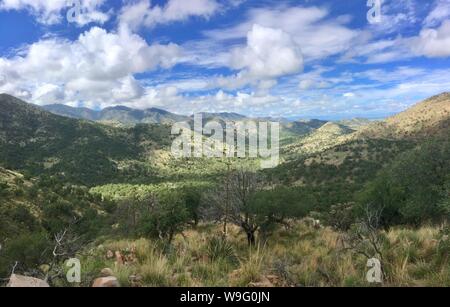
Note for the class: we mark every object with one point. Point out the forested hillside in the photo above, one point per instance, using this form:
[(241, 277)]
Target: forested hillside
[(77, 150), (339, 195)]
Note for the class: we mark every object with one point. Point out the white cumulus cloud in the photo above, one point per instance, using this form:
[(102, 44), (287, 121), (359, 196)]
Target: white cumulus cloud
[(433, 42), (269, 53), (143, 14), (98, 66)]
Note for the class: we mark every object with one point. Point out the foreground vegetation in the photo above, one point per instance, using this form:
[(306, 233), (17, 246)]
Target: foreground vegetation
[(299, 255)]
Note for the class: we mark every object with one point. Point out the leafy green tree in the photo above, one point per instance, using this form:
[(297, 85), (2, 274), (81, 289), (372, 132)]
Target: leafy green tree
[(166, 217), (192, 196), (58, 216), (28, 250), (277, 205)]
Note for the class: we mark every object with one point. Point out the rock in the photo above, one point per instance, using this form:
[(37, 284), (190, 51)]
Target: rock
[(310, 222), (119, 258), (106, 272), (109, 254), (274, 279), (19, 281), (106, 282), (317, 224), (263, 283), (135, 280)]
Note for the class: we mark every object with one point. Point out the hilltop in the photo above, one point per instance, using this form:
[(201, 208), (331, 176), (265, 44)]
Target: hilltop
[(421, 120), (320, 139)]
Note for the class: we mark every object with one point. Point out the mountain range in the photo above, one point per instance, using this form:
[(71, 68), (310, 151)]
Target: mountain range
[(128, 116), (118, 114), (75, 146)]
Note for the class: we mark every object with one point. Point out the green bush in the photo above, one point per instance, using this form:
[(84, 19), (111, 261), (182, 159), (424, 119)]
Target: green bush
[(166, 217), (219, 248), (28, 250)]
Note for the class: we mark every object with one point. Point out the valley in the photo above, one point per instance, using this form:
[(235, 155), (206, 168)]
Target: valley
[(108, 181)]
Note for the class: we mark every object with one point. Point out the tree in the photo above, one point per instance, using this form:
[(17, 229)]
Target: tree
[(444, 205), (244, 200), (277, 205), (192, 197), (231, 202), (365, 237), (27, 251), (166, 216), (410, 189), (130, 213)]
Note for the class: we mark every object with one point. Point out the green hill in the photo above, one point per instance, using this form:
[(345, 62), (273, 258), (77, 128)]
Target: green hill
[(37, 142)]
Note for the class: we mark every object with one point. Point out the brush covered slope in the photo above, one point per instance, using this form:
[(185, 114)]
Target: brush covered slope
[(119, 190), (35, 142)]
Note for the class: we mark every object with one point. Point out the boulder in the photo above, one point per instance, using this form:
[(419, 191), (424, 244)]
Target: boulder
[(135, 280), (106, 272), (19, 281), (106, 282), (274, 279), (119, 259), (109, 254), (263, 283)]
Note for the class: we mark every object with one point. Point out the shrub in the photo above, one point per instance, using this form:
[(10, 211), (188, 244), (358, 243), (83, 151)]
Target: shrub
[(28, 250), (219, 248)]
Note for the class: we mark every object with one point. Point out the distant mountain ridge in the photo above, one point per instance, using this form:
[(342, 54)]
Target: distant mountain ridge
[(119, 114), (126, 115)]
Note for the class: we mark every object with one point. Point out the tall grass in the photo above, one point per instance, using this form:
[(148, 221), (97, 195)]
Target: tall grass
[(299, 256)]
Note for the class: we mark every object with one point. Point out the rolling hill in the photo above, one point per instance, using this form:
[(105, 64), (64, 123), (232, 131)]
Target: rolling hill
[(91, 152), (422, 120), (428, 118), (78, 150), (320, 139), (336, 164)]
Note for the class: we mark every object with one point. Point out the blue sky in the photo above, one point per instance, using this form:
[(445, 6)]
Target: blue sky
[(311, 58)]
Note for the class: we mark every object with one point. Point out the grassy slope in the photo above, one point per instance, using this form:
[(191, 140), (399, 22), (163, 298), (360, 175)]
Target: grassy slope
[(301, 256)]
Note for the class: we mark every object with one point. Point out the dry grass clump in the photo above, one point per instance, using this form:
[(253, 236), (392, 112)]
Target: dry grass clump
[(298, 256)]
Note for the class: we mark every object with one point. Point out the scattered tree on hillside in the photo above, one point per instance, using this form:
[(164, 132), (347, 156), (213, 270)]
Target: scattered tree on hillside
[(231, 202), (166, 216)]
